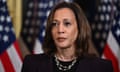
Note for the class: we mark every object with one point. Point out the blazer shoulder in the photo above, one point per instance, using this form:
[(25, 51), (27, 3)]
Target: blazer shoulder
[(34, 57), (98, 60), (94, 64), (103, 65), (32, 62)]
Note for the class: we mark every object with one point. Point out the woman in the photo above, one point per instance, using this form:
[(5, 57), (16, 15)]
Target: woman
[(66, 43)]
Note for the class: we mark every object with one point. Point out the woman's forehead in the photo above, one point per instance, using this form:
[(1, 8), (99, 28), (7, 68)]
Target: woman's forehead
[(64, 12)]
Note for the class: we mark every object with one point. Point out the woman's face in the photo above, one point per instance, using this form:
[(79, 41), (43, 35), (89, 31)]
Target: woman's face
[(64, 28)]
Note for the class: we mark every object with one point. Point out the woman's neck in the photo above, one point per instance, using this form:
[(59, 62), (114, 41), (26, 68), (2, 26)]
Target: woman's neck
[(66, 54)]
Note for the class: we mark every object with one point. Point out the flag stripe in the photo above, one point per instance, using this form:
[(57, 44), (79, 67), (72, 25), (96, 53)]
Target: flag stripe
[(109, 55), (14, 57), (113, 45), (112, 52), (8, 67), (1, 67), (38, 47), (18, 50)]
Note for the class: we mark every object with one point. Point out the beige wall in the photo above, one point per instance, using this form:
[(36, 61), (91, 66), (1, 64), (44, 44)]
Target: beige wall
[(15, 10)]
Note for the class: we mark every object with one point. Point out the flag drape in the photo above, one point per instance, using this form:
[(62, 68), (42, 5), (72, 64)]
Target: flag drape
[(106, 31), (10, 55), (112, 46)]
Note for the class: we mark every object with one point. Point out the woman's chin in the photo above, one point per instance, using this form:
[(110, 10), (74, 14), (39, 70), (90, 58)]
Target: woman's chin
[(63, 46)]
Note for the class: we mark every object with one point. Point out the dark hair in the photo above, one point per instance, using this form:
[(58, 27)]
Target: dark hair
[(83, 40)]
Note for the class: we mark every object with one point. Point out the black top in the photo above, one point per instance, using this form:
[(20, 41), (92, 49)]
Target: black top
[(45, 63)]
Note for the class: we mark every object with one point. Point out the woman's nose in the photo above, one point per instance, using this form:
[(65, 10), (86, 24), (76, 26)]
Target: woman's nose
[(60, 28)]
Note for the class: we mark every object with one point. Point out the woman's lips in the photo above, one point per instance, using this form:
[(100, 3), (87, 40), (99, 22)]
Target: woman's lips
[(61, 39)]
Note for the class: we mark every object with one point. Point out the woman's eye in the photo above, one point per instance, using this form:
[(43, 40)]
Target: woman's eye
[(67, 23), (54, 23)]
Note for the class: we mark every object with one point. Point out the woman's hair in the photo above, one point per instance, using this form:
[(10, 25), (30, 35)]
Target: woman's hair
[(83, 40)]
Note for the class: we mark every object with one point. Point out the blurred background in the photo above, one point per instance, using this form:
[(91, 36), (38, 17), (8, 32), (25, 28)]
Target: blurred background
[(22, 26)]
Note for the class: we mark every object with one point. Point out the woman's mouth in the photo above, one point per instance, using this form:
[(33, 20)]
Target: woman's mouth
[(61, 39)]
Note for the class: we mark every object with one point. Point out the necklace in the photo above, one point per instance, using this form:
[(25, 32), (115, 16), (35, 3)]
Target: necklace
[(62, 67)]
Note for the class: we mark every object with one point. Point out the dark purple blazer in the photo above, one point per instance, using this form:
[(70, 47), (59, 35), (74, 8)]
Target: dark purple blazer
[(43, 63)]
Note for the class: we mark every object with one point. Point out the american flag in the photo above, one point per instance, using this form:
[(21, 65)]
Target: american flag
[(10, 56), (101, 25), (31, 23), (106, 31), (112, 47)]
